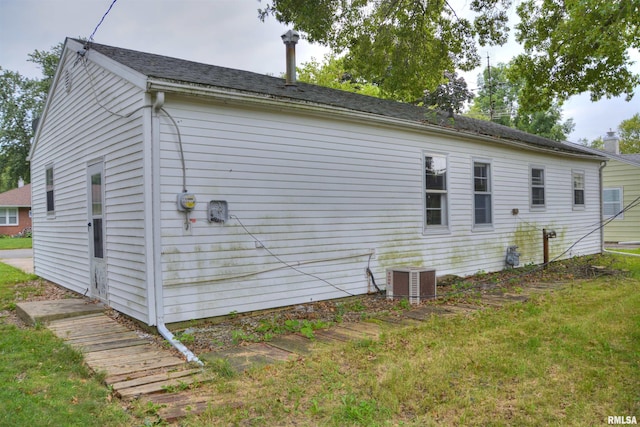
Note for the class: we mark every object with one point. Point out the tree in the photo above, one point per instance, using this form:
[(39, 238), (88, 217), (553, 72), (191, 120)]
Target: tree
[(629, 131), (21, 101), (401, 46), (497, 100), (571, 47), (405, 46), (545, 123), (332, 73), (497, 97), (449, 96)]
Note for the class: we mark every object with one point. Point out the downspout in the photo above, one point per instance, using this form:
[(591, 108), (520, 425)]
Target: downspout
[(157, 283), (602, 165)]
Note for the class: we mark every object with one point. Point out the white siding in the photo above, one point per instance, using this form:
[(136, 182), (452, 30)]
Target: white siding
[(322, 193), (75, 131)]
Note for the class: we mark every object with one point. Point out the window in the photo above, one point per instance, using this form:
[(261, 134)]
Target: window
[(49, 184), (482, 193), (8, 216), (612, 202), (436, 190), (578, 188), (537, 187)]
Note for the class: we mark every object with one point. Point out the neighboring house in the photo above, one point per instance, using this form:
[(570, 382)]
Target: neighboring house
[(173, 190), (621, 188), (15, 210)]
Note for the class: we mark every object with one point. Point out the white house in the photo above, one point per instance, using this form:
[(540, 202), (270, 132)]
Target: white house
[(174, 190)]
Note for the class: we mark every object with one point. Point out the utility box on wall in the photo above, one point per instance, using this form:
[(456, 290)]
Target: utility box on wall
[(414, 283)]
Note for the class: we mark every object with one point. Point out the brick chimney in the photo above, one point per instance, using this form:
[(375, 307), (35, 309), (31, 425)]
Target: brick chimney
[(611, 143), (290, 38)]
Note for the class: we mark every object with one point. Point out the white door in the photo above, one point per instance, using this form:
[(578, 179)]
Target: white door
[(96, 227)]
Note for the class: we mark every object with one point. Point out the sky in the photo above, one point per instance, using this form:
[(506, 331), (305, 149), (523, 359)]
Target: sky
[(227, 33)]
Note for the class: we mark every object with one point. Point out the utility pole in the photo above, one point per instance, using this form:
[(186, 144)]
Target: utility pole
[(490, 89)]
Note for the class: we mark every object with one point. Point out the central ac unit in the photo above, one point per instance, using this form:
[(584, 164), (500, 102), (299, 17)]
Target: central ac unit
[(414, 283)]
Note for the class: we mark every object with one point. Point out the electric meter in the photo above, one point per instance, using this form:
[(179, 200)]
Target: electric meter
[(186, 202)]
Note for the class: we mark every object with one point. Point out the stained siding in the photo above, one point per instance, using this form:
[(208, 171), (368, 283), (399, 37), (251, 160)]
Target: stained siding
[(321, 194), (623, 175), (77, 131)]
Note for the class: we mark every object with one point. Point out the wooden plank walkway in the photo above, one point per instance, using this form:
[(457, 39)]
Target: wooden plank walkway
[(132, 366), (137, 369)]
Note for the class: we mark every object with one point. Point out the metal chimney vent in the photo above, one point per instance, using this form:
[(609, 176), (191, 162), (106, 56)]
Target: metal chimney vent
[(290, 38)]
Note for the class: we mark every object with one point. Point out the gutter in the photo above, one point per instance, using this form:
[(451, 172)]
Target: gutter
[(156, 274)]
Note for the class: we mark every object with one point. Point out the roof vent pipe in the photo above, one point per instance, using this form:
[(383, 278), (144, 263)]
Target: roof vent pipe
[(612, 143), (290, 38)]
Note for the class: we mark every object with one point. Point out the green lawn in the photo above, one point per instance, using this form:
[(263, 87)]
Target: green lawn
[(15, 243), (569, 357), (44, 382), (631, 251)]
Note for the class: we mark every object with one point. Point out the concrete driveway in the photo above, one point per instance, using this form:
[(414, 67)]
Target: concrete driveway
[(18, 258)]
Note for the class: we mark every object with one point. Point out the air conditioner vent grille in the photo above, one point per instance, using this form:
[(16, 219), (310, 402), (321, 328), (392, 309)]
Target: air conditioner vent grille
[(414, 283)]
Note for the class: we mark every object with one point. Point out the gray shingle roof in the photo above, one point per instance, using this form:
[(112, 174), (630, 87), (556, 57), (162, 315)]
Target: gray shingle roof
[(635, 158), (18, 197), (183, 71)]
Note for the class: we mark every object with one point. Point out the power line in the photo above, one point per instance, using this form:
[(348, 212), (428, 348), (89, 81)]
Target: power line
[(101, 20)]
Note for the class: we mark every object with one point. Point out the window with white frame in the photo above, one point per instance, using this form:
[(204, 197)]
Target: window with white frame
[(612, 202), (436, 190), (537, 187), (578, 188), (482, 193), (8, 216), (49, 189)]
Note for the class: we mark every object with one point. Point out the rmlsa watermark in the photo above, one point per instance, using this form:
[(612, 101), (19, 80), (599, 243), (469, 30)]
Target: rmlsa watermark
[(621, 419)]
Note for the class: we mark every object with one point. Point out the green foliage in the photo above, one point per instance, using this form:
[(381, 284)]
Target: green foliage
[(238, 336), (497, 100), (186, 338), (333, 73), (21, 101), (629, 132), (576, 47), (403, 47), (449, 96)]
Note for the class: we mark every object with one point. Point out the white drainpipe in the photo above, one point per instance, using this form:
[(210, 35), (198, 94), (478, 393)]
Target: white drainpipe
[(157, 282)]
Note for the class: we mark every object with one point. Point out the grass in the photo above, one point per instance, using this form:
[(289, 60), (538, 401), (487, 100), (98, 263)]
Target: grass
[(44, 382), (631, 251), (570, 357), (9, 292), (15, 243)]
